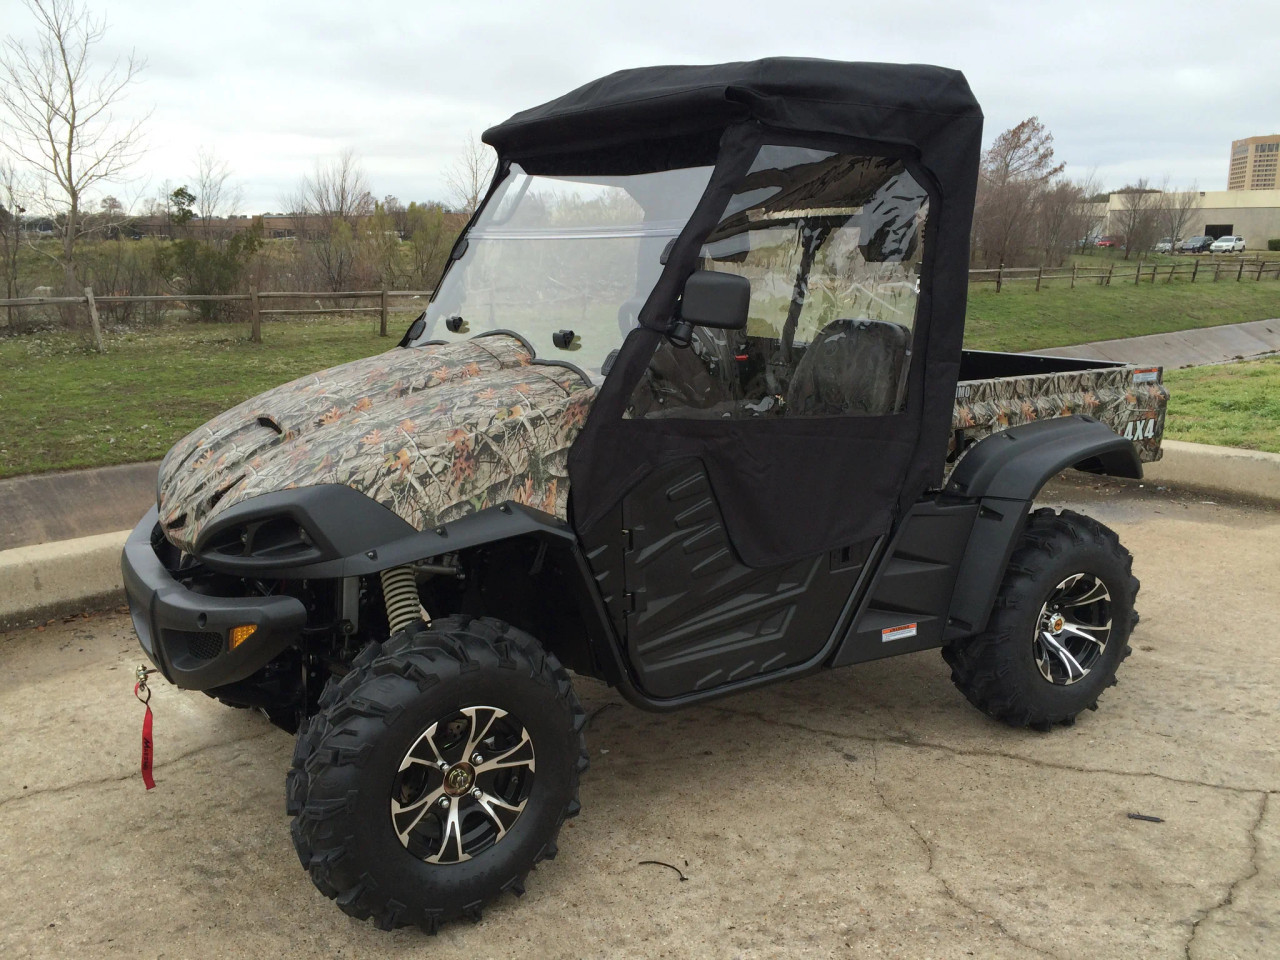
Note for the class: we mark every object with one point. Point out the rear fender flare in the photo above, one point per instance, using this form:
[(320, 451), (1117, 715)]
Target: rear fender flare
[(1004, 473), (1015, 463)]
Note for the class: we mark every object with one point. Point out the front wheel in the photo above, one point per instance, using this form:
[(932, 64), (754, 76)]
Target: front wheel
[(437, 773), (1059, 629)]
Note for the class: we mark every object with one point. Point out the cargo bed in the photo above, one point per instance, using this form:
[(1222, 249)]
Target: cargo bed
[(999, 390)]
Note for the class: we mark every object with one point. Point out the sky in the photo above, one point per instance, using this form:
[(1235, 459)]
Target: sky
[(1128, 88)]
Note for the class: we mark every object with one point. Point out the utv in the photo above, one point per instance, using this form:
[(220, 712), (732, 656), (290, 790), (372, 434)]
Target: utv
[(678, 418)]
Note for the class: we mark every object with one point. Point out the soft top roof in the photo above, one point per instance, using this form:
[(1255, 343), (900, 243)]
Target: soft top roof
[(910, 104)]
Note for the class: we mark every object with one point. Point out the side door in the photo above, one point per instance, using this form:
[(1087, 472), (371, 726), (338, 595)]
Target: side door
[(780, 450)]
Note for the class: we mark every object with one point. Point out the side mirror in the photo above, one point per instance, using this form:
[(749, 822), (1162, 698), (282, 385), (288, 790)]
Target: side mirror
[(711, 299), (415, 330)]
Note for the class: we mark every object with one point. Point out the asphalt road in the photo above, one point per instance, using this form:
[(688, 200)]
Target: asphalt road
[(869, 812)]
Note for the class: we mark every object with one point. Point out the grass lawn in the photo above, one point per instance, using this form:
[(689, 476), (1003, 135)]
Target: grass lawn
[(65, 407), (1232, 405), (1018, 318)]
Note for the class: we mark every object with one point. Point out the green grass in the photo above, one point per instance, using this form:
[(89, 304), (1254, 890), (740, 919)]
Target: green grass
[(65, 407), (1232, 405), (1018, 318)]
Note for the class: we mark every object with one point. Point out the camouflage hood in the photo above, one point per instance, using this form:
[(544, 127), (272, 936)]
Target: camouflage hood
[(432, 433)]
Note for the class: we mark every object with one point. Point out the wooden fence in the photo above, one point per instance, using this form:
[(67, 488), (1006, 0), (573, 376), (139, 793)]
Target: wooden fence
[(1195, 269), (254, 298), (1238, 269)]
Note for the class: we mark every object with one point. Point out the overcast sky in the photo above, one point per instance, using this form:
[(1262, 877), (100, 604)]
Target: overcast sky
[(1127, 88)]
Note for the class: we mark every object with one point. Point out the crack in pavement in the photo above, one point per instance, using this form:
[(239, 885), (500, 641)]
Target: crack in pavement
[(102, 781), (1250, 872), (947, 889), (907, 741)]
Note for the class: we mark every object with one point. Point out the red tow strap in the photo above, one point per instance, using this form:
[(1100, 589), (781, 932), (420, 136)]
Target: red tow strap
[(143, 693)]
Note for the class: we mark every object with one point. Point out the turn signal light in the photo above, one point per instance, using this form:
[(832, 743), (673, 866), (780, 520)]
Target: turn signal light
[(242, 633)]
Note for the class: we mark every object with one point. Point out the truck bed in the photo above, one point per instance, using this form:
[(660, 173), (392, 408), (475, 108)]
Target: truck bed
[(999, 390)]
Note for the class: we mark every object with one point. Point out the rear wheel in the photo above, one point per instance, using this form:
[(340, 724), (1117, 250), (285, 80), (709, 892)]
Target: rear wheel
[(437, 773), (1060, 626)]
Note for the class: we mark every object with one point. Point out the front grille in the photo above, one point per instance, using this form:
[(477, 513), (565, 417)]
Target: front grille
[(200, 645)]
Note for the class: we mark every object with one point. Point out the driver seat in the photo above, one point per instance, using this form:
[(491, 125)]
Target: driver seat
[(851, 367)]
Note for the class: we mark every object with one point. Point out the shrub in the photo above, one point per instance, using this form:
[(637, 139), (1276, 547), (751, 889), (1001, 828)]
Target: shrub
[(1273, 244)]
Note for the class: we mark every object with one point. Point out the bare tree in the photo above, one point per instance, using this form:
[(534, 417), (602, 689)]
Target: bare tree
[(216, 195), (1177, 208), (1015, 170), (1058, 220), (469, 175), (329, 207), (61, 106), (1092, 212), (13, 200), (1138, 218)]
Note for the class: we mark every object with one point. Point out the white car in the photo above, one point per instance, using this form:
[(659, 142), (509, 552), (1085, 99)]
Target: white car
[(1165, 245), (1227, 245)]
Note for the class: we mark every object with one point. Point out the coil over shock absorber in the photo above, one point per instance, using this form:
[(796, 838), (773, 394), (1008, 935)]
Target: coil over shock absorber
[(400, 592)]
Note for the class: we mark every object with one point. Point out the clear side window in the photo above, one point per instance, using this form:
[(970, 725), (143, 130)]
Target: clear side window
[(832, 245)]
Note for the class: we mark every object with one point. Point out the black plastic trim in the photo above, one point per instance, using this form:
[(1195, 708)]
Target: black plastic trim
[(1015, 463), (161, 606), (339, 520)]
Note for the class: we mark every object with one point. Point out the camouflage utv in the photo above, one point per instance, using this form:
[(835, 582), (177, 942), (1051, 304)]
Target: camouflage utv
[(687, 413)]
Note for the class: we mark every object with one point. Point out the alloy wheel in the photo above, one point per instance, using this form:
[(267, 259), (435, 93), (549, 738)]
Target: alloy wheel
[(462, 785), (1073, 629)]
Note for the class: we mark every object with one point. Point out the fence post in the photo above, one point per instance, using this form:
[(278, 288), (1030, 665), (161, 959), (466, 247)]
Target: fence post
[(382, 328), (93, 320), (1137, 274), (1195, 269), (1260, 265), (1172, 267), (255, 316), (1110, 270), (1000, 276), (1039, 275), (1240, 272), (1217, 266), (1074, 267)]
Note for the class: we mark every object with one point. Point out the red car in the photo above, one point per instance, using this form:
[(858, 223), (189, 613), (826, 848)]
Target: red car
[(1108, 242)]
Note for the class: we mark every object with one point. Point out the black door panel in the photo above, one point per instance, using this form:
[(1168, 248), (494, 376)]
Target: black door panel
[(694, 616)]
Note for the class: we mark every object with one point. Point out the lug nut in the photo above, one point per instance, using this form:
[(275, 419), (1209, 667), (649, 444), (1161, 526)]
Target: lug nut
[(443, 764), (477, 793), (444, 801), (476, 758)]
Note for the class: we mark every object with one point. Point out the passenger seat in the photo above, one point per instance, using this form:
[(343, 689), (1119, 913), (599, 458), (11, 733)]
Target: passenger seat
[(851, 367)]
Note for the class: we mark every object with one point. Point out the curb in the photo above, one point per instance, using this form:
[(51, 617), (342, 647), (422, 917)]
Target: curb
[(1250, 474), (49, 580)]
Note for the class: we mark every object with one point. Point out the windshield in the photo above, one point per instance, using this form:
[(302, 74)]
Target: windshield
[(550, 254)]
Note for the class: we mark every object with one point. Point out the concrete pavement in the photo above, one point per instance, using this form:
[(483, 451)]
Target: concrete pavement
[(869, 812), (1182, 348)]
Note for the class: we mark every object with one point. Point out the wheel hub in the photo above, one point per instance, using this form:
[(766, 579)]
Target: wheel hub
[(459, 778)]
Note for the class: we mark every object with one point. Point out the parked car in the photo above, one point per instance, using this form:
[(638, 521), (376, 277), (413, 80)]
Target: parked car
[(1108, 242), (1195, 244), (1166, 244), (1227, 245), (402, 557)]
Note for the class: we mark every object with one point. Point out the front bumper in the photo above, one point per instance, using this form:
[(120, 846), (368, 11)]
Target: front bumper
[(185, 632)]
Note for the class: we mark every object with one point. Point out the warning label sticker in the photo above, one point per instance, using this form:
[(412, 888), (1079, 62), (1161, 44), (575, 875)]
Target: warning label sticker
[(1149, 375), (898, 633)]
